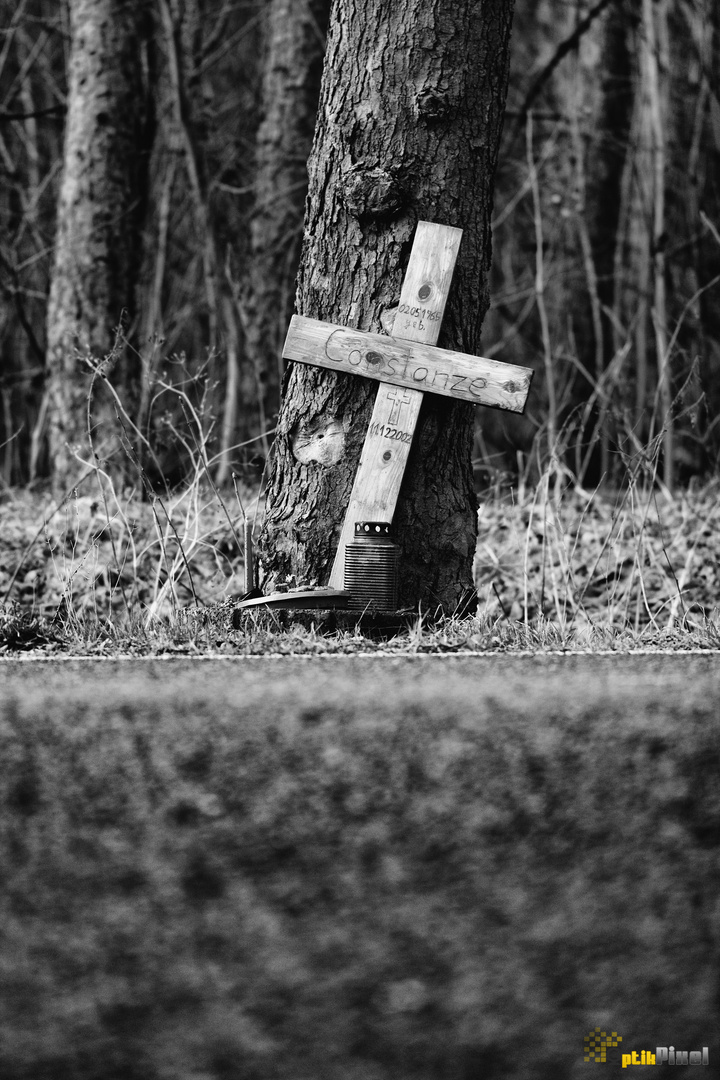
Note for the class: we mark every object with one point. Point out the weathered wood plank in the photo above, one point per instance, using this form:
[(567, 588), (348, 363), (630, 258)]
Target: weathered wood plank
[(426, 284), (382, 462), (411, 364)]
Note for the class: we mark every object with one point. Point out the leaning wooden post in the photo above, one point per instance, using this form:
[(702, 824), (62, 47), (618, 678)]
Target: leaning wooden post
[(419, 316)]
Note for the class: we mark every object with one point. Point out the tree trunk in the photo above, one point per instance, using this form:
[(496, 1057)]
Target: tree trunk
[(410, 116), (291, 85), (99, 213)]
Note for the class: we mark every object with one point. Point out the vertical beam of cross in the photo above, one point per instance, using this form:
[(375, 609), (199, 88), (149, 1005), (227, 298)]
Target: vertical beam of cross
[(385, 453)]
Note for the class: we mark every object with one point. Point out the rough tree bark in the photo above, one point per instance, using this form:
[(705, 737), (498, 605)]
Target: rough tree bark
[(99, 212), (410, 115), (291, 85)]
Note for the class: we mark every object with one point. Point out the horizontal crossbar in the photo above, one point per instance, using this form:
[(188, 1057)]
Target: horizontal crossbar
[(408, 363)]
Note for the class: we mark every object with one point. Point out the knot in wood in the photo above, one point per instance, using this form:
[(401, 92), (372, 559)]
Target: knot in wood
[(371, 192), (322, 442), (434, 105)]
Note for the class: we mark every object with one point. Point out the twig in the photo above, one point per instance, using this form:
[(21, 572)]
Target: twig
[(591, 277), (46, 521), (540, 293), (654, 48), (95, 375), (122, 416), (249, 569), (670, 565), (9, 118), (505, 612), (558, 56), (209, 254)]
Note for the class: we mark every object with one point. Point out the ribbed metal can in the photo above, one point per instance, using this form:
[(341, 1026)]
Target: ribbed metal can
[(371, 567)]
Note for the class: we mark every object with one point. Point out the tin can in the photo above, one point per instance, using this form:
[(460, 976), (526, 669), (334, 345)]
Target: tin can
[(371, 567)]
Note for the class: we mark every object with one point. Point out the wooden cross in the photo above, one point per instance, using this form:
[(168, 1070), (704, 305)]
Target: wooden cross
[(408, 360)]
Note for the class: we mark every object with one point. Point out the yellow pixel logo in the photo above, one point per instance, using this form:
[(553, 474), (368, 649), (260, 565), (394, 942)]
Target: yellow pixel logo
[(597, 1042)]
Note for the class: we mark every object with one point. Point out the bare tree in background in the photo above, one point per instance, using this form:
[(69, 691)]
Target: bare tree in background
[(32, 109), (624, 99), (99, 214), (216, 251), (291, 84)]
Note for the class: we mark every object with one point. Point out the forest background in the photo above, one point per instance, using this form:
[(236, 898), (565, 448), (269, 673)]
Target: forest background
[(606, 247), (606, 240)]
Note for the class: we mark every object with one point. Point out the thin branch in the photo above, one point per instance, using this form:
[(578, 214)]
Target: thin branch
[(561, 52), (12, 117), (58, 506), (192, 164), (15, 291), (540, 293)]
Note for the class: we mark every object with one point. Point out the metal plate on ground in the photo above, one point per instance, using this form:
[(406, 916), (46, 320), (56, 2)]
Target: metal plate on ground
[(299, 598)]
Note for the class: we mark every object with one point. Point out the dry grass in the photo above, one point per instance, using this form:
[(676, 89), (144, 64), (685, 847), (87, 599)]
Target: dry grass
[(553, 570), (557, 566), (633, 560)]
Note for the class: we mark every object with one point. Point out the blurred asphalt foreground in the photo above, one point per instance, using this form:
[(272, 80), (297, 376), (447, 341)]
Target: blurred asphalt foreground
[(357, 868)]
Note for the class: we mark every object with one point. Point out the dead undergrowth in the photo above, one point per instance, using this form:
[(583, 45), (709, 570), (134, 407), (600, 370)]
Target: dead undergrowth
[(103, 572)]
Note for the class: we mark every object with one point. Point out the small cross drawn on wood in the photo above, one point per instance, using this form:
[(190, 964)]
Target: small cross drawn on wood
[(398, 402), (408, 359)]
